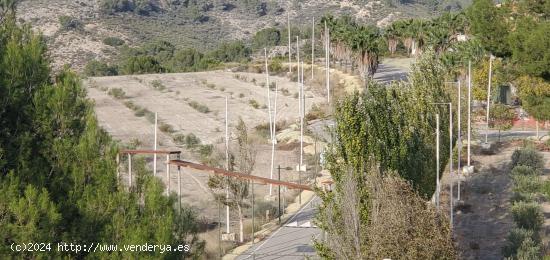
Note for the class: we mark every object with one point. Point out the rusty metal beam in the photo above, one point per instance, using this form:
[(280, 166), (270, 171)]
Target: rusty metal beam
[(256, 179), (148, 152)]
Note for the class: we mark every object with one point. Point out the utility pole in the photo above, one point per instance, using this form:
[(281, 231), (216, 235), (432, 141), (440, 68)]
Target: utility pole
[(279, 199), (227, 164), (327, 61), (451, 158), (155, 146), (489, 95), (437, 161), (459, 144), (469, 109), (312, 46), (270, 120), (167, 175), (289, 47)]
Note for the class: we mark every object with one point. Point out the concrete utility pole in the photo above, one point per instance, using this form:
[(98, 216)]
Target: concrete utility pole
[(270, 119), (451, 174), (469, 110), (489, 95), (312, 46), (437, 161), (289, 47), (155, 147), (327, 61), (459, 143), (273, 140), (227, 163)]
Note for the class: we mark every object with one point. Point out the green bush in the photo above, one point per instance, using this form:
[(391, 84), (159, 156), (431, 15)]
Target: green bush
[(142, 64), (527, 157), (166, 128), (254, 103), (191, 141), (515, 240), (70, 23), (179, 139), (96, 68), (529, 250), (199, 107), (266, 38), (526, 183), (527, 215), (157, 84), (522, 170), (117, 93), (276, 66), (113, 41)]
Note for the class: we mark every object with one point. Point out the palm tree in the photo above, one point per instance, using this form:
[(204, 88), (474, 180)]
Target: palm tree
[(364, 44), (392, 37)]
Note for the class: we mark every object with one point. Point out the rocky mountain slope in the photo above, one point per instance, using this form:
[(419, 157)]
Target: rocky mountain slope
[(76, 30)]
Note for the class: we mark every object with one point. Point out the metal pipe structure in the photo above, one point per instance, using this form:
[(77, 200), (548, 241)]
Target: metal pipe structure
[(117, 160), (256, 179), (459, 150)]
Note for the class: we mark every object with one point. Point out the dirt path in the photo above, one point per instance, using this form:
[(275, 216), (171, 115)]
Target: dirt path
[(482, 219)]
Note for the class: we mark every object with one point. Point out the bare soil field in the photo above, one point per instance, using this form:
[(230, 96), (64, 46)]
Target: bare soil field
[(175, 98), (482, 218)]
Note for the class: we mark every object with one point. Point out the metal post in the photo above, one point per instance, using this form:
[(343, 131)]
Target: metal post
[(252, 183), (327, 61), (289, 48), (298, 57), (227, 163), (129, 171), (220, 229), (179, 186), (300, 182), (155, 148), (459, 137), (469, 108), (437, 161), (489, 95), (117, 167), (312, 47), (279, 200), (167, 175), (451, 157)]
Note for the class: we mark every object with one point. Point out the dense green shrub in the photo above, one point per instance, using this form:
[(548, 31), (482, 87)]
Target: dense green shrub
[(179, 139), (527, 215), (515, 240), (529, 250), (523, 170), (526, 183), (157, 84), (191, 141), (113, 41), (70, 23), (527, 157), (235, 51), (96, 68), (266, 38), (142, 65)]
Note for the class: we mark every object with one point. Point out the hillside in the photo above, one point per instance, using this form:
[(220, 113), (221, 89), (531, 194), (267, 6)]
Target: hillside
[(76, 30)]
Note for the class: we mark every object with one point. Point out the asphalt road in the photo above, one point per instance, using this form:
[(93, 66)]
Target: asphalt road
[(294, 240)]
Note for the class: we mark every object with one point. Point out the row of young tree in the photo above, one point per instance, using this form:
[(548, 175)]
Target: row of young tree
[(383, 167), (58, 178)]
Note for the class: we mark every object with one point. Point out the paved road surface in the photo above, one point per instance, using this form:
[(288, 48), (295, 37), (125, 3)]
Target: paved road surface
[(294, 240)]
